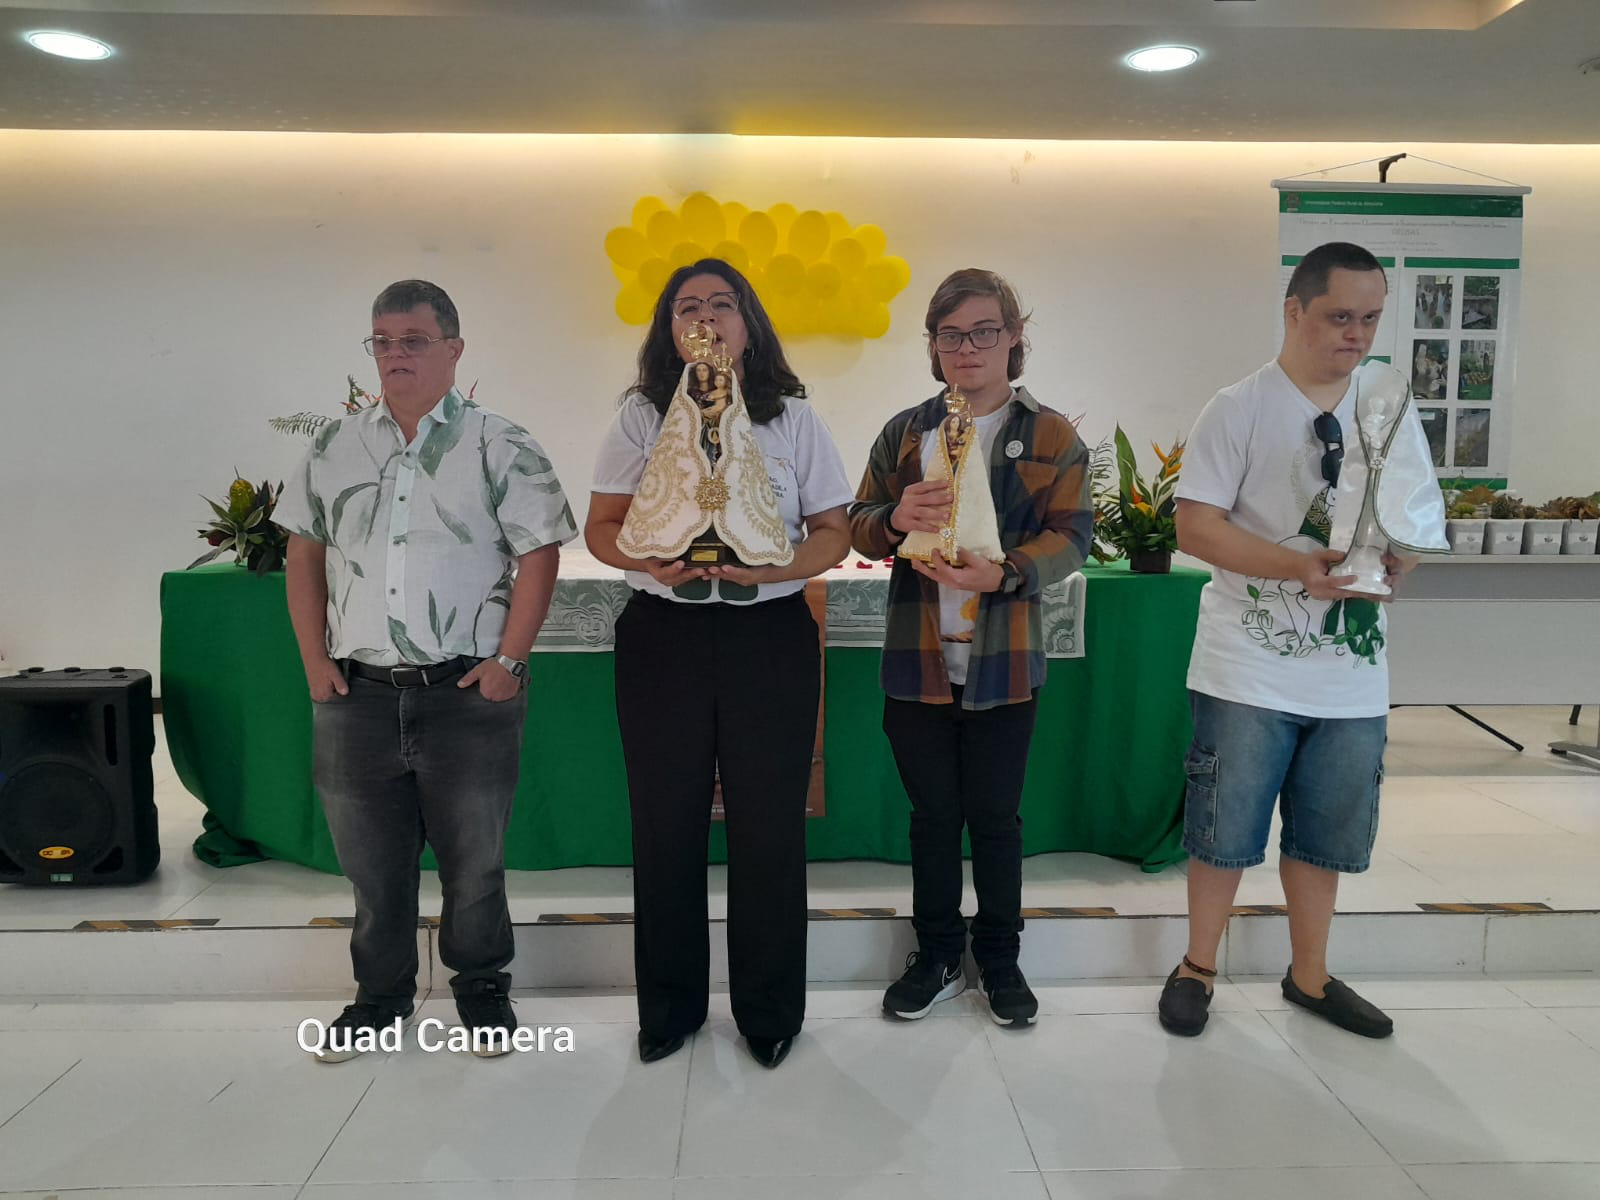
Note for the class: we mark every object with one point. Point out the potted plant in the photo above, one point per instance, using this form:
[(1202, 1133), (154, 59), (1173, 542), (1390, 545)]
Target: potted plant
[(1582, 530), (1479, 498), (1502, 533), (1541, 533), (1463, 527), (246, 527), (1139, 519)]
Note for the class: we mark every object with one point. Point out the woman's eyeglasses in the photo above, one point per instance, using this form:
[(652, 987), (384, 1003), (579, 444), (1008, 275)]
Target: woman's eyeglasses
[(693, 308)]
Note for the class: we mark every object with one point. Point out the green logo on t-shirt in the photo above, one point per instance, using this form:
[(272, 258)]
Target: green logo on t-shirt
[(1279, 618)]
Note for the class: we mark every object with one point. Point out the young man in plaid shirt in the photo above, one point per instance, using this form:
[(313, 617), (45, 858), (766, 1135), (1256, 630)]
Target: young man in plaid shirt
[(963, 653)]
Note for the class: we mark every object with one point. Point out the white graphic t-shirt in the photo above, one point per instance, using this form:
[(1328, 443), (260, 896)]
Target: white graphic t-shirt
[(1265, 642), (958, 610)]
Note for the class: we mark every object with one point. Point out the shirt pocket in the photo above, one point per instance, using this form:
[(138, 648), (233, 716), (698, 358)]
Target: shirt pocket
[(1036, 477)]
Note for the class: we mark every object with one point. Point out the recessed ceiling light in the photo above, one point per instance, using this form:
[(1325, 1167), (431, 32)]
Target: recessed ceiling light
[(68, 45), (1162, 58)]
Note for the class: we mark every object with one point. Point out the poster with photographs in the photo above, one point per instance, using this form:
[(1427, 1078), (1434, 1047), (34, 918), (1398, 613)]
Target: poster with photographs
[(1430, 369), (1452, 255)]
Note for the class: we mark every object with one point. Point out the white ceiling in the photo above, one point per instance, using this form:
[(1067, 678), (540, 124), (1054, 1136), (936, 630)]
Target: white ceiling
[(1272, 70)]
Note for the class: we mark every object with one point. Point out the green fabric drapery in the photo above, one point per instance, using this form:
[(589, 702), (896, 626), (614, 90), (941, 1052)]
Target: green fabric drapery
[(1105, 773)]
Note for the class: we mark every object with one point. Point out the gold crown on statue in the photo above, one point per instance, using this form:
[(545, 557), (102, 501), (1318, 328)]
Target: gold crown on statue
[(699, 341)]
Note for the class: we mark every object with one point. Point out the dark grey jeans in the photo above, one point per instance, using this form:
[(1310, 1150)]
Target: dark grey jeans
[(400, 767)]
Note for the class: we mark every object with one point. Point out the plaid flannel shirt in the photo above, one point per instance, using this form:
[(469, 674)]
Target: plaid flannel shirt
[(1041, 501)]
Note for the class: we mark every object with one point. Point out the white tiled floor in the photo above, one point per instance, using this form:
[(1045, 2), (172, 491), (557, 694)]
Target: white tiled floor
[(1489, 1088)]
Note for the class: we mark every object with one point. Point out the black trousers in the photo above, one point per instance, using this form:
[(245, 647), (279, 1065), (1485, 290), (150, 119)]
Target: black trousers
[(964, 768), (397, 767), (703, 689)]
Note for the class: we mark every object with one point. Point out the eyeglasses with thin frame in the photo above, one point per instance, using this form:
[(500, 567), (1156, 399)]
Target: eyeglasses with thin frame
[(411, 344), (985, 337), (1331, 435), (718, 304)]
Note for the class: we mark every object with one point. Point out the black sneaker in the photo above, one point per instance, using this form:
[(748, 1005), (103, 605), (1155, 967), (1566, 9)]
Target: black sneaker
[(925, 983), (1011, 1000), (356, 1031), (486, 1012)]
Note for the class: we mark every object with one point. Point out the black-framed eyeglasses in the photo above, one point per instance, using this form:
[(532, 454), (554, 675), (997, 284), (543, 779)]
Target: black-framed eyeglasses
[(411, 344), (1329, 433), (694, 308), (985, 337)]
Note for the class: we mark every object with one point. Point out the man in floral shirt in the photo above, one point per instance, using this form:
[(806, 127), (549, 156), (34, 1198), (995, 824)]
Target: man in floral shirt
[(425, 536)]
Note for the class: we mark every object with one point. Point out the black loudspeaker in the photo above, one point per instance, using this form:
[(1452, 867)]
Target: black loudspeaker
[(77, 802)]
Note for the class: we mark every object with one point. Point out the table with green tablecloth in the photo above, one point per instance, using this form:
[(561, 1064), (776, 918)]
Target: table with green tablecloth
[(1105, 774)]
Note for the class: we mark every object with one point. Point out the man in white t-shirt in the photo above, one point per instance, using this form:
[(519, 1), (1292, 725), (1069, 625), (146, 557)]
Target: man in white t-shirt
[(1288, 680)]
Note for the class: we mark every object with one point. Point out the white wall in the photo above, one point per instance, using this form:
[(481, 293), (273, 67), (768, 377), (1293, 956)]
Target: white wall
[(162, 294)]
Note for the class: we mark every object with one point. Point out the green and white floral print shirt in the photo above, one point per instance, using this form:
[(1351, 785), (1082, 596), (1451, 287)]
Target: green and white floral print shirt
[(423, 538)]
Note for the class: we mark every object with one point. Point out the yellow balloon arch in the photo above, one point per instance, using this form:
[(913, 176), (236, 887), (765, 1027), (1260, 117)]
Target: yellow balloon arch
[(814, 271)]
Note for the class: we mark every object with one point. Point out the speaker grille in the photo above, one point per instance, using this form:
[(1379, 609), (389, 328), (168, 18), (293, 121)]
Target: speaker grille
[(49, 804)]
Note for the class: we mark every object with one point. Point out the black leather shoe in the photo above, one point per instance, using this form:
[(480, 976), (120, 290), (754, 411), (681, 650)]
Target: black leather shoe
[(654, 1049), (1185, 1005), (769, 1052), (1339, 1004)]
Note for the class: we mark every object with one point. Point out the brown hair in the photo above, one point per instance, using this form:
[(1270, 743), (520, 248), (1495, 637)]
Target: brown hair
[(959, 287)]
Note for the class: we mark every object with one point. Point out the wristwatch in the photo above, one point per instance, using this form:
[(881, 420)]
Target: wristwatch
[(1010, 579), (516, 666)]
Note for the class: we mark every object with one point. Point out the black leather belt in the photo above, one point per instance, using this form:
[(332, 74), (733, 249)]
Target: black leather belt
[(410, 676)]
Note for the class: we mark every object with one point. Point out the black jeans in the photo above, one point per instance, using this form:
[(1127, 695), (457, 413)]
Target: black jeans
[(703, 689), (962, 767), (397, 767)]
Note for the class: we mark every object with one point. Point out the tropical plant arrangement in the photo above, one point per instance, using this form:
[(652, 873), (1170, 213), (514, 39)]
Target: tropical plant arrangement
[(246, 527), (304, 424), (1102, 480), (1139, 518)]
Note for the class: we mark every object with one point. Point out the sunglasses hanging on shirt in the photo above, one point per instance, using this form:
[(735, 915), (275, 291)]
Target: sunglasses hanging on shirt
[(1331, 436)]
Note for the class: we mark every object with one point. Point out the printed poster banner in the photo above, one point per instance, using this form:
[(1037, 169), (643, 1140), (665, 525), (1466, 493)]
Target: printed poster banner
[(1454, 259)]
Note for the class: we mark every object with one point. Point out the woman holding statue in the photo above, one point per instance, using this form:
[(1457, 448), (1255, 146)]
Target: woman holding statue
[(720, 492), (983, 495)]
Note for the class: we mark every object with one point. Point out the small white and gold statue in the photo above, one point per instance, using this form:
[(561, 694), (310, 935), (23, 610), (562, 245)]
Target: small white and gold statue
[(1387, 498), (705, 495), (958, 460)]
